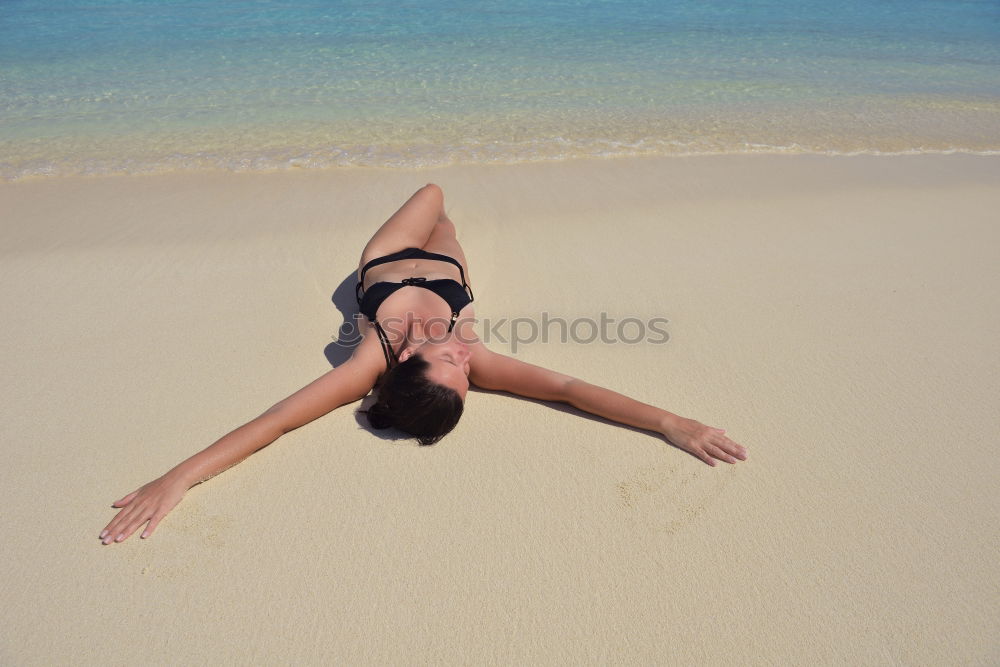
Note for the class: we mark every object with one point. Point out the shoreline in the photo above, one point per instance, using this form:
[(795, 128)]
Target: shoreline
[(310, 165)]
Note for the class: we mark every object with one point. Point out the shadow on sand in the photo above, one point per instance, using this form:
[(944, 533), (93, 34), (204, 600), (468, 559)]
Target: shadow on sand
[(348, 338)]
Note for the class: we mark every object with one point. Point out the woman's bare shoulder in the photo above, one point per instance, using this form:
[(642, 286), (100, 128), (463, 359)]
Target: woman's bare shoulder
[(368, 353), (501, 372)]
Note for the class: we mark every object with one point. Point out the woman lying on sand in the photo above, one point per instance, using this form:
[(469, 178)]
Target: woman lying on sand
[(420, 348)]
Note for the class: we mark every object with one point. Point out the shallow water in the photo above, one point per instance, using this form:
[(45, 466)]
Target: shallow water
[(143, 85)]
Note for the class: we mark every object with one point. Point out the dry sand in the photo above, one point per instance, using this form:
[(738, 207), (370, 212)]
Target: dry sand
[(839, 316)]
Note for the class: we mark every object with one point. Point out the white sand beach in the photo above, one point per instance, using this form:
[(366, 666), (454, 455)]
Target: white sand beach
[(839, 316)]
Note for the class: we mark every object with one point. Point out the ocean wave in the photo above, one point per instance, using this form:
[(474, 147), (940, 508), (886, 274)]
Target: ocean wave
[(422, 156)]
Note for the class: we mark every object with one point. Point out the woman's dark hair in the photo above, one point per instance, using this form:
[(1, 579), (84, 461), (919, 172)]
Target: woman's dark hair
[(407, 400)]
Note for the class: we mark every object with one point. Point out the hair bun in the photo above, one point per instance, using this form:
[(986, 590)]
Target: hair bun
[(379, 415)]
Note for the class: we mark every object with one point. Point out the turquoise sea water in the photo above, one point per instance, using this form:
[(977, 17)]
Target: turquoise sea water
[(105, 86)]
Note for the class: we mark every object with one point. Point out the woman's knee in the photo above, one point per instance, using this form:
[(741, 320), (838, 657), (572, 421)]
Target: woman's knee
[(432, 190)]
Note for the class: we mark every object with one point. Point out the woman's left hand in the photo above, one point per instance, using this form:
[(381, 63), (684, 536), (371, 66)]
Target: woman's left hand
[(707, 443), (149, 503)]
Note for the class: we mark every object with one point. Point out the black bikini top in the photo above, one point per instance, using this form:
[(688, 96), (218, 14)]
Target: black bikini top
[(456, 295)]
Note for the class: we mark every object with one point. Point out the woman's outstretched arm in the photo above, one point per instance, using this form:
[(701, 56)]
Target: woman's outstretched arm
[(491, 370), (148, 505)]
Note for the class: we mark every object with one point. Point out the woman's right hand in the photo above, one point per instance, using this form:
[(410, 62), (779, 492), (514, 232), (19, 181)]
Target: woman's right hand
[(149, 503), (705, 442)]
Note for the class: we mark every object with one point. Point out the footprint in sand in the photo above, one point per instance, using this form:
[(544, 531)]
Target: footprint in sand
[(169, 559), (668, 497)]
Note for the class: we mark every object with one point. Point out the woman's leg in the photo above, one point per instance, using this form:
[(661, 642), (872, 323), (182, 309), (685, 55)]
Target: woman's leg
[(409, 227), (444, 242)]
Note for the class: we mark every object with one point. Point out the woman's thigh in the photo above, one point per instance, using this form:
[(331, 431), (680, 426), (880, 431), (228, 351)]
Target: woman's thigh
[(443, 241), (409, 227)]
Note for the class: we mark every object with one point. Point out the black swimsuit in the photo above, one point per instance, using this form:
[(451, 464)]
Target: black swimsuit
[(456, 295)]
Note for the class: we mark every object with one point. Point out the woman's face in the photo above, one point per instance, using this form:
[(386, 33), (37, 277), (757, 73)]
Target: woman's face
[(449, 361)]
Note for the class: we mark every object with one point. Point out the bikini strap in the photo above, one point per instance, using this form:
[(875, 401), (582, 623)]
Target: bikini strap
[(390, 354), (407, 253)]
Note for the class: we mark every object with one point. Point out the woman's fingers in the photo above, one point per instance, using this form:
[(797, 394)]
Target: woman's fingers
[(123, 528), (109, 533), (116, 528), (730, 451), (133, 526), (724, 449), (147, 506), (152, 525), (733, 448), (704, 455), (112, 530), (126, 500), (125, 522), (708, 443), (718, 453)]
